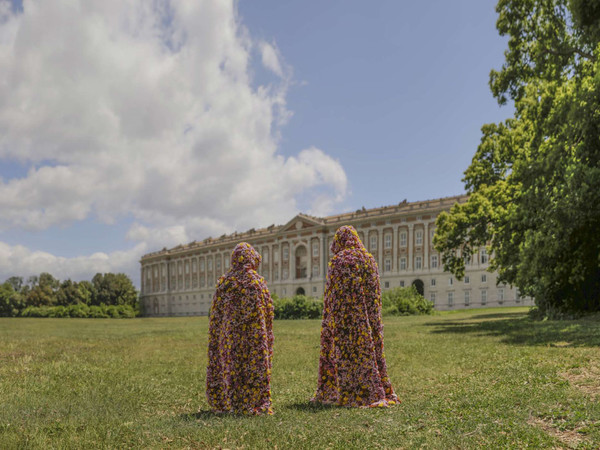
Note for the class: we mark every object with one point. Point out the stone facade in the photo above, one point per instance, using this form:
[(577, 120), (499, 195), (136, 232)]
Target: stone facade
[(181, 281)]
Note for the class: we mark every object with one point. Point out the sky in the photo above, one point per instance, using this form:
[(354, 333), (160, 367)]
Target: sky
[(127, 126)]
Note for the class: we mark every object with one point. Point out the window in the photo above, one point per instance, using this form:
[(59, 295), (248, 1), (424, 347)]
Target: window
[(194, 265), (179, 268), (467, 298), (284, 275), (387, 264), (433, 281), (403, 263), (434, 261), (386, 284), (187, 268), (373, 242), (226, 263), (484, 278), (450, 298), (202, 265), (315, 270), (450, 281), (155, 271), (467, 260), (266, 256), (432, 297), (283, 291), (517, 296), (286, 253), (275, 254), (418, 262), (387, 243), (401, 283), (467, 279), (484, 296), (218, 263), (275, 274), (484, 256), (314, 289), (315, 248), (500, 295), (209, 264), (431, 234), (419, 238), (403, 239)]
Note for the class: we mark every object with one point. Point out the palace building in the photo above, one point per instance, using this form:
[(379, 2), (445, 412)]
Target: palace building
[(181, 281)]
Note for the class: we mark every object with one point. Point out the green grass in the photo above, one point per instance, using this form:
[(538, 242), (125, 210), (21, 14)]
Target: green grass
[(468, 379)]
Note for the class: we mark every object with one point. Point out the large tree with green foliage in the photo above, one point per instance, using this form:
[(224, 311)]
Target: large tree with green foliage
[(534, 182)]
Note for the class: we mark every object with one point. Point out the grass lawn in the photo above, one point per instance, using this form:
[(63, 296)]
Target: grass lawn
[(467, 379)]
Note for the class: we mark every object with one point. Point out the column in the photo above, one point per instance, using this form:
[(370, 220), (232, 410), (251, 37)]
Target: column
[(380, 250), (410, 244), (426, 247), (395, 243)]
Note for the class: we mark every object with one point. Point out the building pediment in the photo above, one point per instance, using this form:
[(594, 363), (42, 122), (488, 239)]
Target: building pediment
[(301, 222)]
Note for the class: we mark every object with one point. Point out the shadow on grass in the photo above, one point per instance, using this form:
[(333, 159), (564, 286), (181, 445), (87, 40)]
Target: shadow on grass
[(311, 407), (525, 331), (200, 415)]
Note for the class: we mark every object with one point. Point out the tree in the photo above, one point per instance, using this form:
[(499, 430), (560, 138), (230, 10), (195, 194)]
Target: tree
[(43, 290), (16, 283), (113, 289), (10, 299), (534, 182)]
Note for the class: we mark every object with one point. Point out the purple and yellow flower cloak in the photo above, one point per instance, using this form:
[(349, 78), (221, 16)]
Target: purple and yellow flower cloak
[(352, 367), (240, 341)]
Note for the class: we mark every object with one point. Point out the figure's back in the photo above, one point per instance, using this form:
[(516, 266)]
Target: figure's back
[(240, 338)]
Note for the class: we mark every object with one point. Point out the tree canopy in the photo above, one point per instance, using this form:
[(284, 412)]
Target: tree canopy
[(45, 291), (534, 181)]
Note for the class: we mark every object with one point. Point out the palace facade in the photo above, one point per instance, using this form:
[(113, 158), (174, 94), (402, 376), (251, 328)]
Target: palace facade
[(181, 281)]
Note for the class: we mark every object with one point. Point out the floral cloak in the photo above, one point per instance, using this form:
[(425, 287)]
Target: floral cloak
[(352, 367), (240, 342)]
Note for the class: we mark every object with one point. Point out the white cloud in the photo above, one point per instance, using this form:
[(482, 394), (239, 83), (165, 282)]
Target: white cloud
[(147, 109), (20, 261), (270, 58)]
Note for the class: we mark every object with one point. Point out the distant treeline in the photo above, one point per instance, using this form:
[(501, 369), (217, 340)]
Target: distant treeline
[(107, 295)]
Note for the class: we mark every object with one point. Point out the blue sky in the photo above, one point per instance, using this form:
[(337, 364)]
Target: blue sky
[(129, 126)]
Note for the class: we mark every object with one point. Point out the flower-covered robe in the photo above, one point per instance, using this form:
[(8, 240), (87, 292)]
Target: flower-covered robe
[(352, 368), (240, 341)]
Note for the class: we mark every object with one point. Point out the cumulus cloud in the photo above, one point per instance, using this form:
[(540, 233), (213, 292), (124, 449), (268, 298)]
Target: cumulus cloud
[(147, 110), (18, 260)]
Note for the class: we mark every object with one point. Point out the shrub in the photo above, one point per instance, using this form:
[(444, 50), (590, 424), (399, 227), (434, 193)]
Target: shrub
[(36, 311), (297, 307), (112, 311), (405, 301), (80, 310), (97, 312), (58, 311)]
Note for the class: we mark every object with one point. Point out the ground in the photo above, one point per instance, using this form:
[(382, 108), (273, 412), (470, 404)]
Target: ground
[(467, 379)]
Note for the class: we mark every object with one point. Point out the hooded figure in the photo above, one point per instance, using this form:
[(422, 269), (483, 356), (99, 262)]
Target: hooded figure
[(240, 339), (352, 368)]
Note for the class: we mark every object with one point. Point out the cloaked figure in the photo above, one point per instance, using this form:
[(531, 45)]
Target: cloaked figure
[(240, 340), (352, 367)]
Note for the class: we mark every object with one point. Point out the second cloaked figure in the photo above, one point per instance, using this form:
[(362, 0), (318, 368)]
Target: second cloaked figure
[(352, 366), (240, 342)]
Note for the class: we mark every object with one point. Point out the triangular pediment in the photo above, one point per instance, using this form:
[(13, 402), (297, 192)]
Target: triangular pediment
[(301, 222)]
